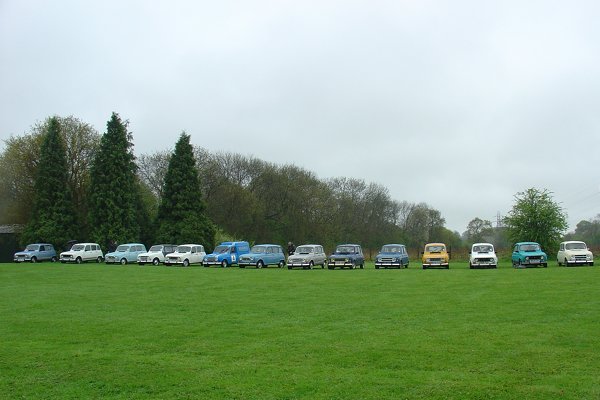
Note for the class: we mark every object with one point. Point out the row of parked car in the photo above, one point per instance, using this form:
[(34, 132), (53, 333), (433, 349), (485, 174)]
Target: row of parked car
[(434, 255)]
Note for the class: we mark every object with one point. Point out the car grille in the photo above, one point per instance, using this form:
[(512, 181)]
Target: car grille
[(110, 258), (434, 260), (580, 258), (143, 259), (67, 256), (210, 258), (484, 260), (387, 260)]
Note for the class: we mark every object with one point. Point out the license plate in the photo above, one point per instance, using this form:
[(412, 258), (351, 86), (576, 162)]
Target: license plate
[(534, 261)]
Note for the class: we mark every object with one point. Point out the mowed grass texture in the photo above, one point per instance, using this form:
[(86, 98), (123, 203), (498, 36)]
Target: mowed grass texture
[(127, 332)]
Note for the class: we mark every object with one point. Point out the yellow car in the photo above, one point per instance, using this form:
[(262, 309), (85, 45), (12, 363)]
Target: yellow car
[(435, 255)]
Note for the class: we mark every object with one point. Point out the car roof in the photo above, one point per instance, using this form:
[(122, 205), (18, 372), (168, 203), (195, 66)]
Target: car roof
[(131, 244), (435, 244), (519, 243), (482, 244), (348, 244), (574, 241), (393, 244), (190, 244), (85, 243)]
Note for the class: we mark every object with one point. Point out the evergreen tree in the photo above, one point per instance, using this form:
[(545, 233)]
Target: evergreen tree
[(181, 214), (52, 219), (114, 186)]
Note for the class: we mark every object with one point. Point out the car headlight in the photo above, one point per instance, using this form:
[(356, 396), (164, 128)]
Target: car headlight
[(526, 258), (588, 257)]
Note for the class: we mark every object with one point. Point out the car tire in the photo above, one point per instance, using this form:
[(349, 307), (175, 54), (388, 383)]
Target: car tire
[(156, 261), (54, 259), (424, 267), (566, 263), (123, 261), (186, 263), (34, 259), (78, 260), (99, 259), (289, 266), (281, 264), (324, 265), (362, 266), (330, 266), (259, 264), (377, 267), (311, 265), (224, 264)]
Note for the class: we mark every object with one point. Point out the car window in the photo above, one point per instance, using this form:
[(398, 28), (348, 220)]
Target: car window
[(87, 248)]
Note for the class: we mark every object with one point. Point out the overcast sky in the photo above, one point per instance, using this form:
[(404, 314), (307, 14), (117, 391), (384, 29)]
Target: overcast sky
[(459, 104)]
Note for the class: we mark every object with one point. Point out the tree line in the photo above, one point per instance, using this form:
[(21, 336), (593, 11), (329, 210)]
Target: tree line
[(64, 181)]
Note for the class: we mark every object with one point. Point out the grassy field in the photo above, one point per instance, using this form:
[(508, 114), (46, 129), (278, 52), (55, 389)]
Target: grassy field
[(128, 332)]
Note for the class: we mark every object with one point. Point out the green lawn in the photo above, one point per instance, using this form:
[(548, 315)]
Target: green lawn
[(127, 332)]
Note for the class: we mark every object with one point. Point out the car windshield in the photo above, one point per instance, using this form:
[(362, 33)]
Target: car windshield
[(576, 246), (221, 249), (483, 249), (530, 247), (258, 249), (345, 250), (32, 247), (391, 249), (435, 249), (78, 247), (183, 249), (122, 249), (304, 250), (155, 249)]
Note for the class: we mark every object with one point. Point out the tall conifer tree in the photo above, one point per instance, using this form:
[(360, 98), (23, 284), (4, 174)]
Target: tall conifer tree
[(113, 185), (52, 218), (181, 214)]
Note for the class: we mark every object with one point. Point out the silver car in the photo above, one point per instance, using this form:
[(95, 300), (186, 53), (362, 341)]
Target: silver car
[(307, 256)]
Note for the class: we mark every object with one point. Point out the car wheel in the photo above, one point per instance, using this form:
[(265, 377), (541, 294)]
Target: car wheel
[(99, 259), (424, 266), (54, 259), (259, 264), (448, 266), (471, 266), (311, 265), (289, 267), (224, 264), (156, 261), (281, 264), (545, 265), (330, 266), (186, 263), (123, 261), (377, 267), (33, 259), (566, 263), (324, 265), (78, 260), (362, 266), (591, 264)]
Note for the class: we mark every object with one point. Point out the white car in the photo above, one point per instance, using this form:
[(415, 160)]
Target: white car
[(82, 252), (186, 254), (574, 253), (482, 255), (307, 256), (156, 254)]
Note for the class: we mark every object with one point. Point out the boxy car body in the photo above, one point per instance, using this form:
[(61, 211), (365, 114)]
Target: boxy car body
[(156, 254), (392, 256), (346, 255), (306, 256), (482, 255), (263, 255), (528, 254), (435, 255), (574, 253), (82, 252), (125, 253), (36, 252), (186, 254), (227, 254)]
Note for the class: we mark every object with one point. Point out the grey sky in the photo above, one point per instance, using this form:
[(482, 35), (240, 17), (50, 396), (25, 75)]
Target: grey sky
[(460, 104)]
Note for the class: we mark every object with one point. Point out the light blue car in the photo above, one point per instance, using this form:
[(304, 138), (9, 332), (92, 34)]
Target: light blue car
[(125, 253), (528, 254), (36, 252), (263, 255)]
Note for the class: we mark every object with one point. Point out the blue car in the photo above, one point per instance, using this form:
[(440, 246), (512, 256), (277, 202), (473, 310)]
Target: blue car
[(392, 256), (226, 254), (125, 253), (263, 255), (528, 254), (36, 252)]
